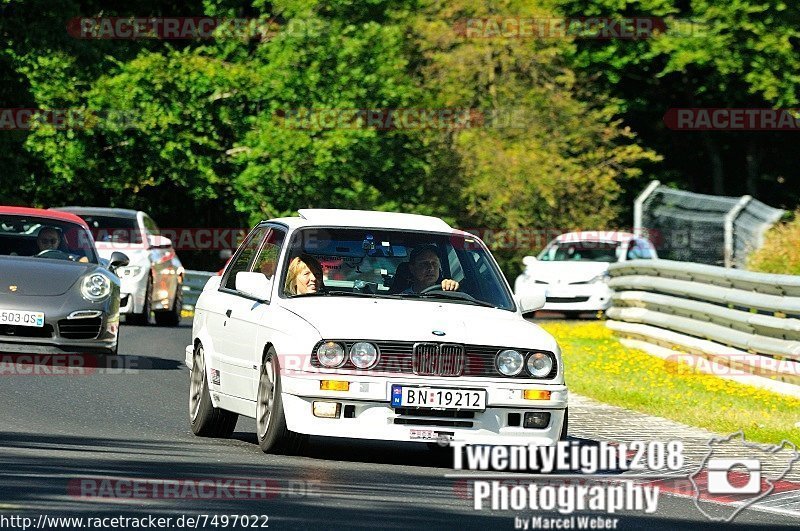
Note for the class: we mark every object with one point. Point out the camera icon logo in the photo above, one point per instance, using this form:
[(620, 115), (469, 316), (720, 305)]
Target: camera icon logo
[(725, 476), (736, 474)]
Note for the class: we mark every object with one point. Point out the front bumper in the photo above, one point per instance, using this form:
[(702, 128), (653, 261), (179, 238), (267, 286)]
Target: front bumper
[(61, 334), (370, 415), (580, 297)]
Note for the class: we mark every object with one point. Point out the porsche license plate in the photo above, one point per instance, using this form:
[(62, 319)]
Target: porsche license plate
[(21, 318), (438, 397)]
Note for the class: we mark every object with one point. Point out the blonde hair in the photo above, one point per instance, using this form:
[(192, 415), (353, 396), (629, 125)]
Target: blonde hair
[(293, 271)]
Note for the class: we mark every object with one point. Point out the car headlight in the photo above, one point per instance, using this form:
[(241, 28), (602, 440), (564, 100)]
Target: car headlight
[(602, 277), (509, 362), (96, 287), (363, 355), (330, 354), (128, 271), (539, 364)]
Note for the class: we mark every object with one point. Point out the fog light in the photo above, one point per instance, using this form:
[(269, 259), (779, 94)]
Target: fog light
[(327, 410), (536, 419), (334, 385), (533, 394)]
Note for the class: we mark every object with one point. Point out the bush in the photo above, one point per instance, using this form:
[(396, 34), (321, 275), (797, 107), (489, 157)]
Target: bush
[(781, 250)]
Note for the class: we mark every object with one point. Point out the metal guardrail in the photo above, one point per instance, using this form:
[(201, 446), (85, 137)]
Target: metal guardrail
[(734, 317), (193, 283)]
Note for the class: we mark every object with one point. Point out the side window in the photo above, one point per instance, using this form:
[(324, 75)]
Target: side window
[(639, 251), (267, 261), (151, 226), (245, 256)]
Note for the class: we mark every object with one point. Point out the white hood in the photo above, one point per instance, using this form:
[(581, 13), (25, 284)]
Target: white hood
[(565, 272), (415, 320)]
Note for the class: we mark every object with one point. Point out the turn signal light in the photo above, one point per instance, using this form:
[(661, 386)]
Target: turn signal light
[(334, 385), (534, 394)]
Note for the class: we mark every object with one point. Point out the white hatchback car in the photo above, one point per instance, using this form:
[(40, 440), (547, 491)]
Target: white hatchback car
[(153, 281), (573, 269), (365, 356)]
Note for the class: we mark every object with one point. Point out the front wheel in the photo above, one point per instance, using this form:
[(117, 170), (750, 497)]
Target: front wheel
[(273, 435), (144, 317), (206, 420)]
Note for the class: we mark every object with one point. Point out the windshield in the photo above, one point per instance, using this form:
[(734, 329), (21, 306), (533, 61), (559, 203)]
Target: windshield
[(394, 264), (113, 229), (45, 238), (581, 251)]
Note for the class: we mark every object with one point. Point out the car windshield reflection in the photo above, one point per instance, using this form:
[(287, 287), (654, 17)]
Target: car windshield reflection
[(395, 264)]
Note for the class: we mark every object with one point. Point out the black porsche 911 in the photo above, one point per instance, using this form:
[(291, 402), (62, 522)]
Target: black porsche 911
[(56, 295)]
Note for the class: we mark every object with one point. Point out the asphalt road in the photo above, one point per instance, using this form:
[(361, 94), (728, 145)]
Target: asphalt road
[(62, 432)]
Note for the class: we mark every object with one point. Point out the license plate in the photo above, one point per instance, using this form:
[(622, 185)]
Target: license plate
[(20, 318), (438, 397)]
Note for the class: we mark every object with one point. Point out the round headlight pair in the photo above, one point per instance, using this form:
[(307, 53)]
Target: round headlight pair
[(510, 362), (96, 287), (362, 354)]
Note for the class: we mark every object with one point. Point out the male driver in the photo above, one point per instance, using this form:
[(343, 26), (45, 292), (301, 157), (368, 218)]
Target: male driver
[(49, 238), (425, 269)]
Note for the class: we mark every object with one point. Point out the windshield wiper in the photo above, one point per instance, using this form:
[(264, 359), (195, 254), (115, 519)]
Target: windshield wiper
[(450, 295)]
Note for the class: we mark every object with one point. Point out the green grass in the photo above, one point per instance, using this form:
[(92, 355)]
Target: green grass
[(598, 366)]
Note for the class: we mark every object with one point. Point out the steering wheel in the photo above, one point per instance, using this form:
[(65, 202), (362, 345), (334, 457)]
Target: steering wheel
[(54, 253), (434, 287)]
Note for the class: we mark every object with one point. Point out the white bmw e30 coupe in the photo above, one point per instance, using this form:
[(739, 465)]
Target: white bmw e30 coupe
[(366, 351)]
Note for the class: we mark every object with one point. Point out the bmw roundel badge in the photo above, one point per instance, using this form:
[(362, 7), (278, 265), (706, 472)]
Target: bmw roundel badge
[(437, 332)]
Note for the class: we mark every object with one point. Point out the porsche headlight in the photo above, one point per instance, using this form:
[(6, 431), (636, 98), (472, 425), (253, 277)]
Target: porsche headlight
[(509, 362), (363, 355), (539, 364), (96, 287), (330, 354)]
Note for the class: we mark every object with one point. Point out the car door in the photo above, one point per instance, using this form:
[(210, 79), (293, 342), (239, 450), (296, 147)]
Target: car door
[(233, 372), (246, 328)]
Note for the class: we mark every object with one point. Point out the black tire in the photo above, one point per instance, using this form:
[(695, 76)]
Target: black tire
[(572, 315), (205, 419), (564, 427), (143, 319), (273, 435), (172, 317)]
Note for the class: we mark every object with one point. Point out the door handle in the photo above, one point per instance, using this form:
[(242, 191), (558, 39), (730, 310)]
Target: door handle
[(228, 313)]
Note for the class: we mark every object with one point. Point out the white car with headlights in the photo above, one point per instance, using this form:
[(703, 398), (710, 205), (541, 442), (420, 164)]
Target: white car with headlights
[(573, 269), (365, 356), (153, 281)]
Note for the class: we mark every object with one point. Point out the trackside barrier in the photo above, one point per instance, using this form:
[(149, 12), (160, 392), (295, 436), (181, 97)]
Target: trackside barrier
[(749, 321), (193, 284)]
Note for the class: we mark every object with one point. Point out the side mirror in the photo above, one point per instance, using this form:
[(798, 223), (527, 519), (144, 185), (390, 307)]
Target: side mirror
[(159, 242), (530, 302), (253, 285), (529, 260), (118, 259)]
